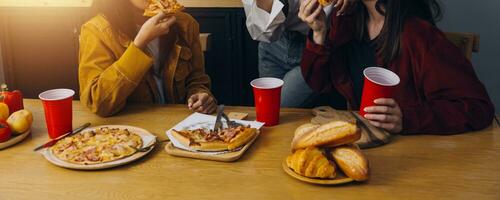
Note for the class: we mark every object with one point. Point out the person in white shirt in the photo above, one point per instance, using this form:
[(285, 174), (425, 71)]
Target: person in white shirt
[(282, 36)]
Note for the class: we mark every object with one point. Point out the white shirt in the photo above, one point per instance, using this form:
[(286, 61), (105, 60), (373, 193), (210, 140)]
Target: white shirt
[(268, 27)]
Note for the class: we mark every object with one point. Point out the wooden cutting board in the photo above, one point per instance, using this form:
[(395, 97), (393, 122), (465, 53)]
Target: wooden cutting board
[(378, 137)]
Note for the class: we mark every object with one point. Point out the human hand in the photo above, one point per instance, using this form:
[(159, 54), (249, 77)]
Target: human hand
[(386, 114), (202, 103), (154, 27), (311, 12)]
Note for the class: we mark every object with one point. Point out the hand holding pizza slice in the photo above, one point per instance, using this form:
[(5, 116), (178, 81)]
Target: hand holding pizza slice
[(167, 6)]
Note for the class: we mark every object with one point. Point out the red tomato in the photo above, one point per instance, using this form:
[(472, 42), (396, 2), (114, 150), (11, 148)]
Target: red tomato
[(5, 132), (13, 99)]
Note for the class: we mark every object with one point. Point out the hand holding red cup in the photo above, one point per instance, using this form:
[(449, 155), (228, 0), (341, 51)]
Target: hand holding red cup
[(377, 104)]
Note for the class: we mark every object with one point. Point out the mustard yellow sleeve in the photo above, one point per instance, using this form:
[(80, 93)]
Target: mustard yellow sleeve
[(106, 82), (197, 81)]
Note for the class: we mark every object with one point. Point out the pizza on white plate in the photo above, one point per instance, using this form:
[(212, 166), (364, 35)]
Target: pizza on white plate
[(226, 139), (97, 146), (167, 6)]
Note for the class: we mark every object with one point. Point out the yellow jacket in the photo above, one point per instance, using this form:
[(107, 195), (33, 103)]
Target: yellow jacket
[(113, 71)]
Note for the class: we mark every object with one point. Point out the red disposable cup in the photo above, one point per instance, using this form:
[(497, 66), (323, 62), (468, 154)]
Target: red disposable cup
[(58, 108), (267, 95), (379, 83)]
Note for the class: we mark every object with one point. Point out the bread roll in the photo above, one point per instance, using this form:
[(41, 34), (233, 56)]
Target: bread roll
[(352, 162), (332, 134), (311, 162)]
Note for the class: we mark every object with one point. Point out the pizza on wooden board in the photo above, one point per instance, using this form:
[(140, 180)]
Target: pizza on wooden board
[(226, 139), (97, 146), (167, 6)]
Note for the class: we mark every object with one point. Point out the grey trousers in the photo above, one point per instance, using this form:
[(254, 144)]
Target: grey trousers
[(281, 59)]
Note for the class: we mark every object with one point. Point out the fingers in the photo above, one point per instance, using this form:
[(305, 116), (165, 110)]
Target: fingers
[(210, 108), (343, 7), (382, 118), (203, 103), (386, 102), (197, 104), (158, 17), (315, 14), (167, 23), (192, 100), (303, 8), (379, 109), (338, 4), (311, 7)]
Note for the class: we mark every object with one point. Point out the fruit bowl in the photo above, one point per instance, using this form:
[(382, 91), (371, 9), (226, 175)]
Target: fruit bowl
[(14, 140)]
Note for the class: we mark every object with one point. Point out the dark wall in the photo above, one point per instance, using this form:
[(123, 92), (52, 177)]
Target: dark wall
[(481, 17)]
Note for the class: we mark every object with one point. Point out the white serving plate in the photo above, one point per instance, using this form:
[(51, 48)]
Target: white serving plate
[(147, 140)]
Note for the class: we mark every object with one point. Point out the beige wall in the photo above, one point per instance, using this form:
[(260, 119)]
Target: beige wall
[(2, 78)]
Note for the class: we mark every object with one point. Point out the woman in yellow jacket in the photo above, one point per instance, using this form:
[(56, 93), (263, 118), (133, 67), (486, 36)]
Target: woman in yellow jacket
[(125, 57)]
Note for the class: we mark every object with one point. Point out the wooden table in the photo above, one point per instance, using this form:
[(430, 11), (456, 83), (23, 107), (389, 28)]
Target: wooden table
[(412, 167)]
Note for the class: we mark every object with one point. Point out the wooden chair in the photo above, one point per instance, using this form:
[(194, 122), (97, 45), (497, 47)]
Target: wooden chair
[(467, 42)]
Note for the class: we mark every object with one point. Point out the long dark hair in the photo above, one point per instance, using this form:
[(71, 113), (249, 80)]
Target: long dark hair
[(396, 12), (119, 14)]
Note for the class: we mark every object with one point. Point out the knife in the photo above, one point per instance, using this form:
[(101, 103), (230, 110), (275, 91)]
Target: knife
[(52, 142), (369, 132)]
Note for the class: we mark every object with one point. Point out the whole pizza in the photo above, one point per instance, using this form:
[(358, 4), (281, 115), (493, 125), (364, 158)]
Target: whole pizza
[(97, 146)]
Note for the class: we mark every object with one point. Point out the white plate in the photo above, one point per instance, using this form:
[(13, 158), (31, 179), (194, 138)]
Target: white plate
[(206, 122), (147, 140), (14, 140)]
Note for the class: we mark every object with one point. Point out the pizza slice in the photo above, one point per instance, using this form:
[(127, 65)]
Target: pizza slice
[(167, 6), (226, 139), (325, 2)]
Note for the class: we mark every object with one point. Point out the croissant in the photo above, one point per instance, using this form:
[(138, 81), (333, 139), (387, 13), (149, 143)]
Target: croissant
[(311, 162)]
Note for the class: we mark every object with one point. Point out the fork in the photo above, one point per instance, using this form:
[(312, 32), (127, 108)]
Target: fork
[(230, 124), (144, 149), (218, 121)]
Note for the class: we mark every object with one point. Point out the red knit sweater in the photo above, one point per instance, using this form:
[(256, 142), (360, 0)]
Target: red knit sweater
[(439, 91)]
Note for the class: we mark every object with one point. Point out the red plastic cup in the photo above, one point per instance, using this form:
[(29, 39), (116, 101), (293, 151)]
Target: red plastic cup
[(379, 83), (267, 95), (58, 108)]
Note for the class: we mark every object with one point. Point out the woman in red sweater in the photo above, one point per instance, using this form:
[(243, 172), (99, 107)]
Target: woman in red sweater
[(439, 92)]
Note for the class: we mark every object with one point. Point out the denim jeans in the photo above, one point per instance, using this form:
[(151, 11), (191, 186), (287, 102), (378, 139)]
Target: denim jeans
[(281, 59)]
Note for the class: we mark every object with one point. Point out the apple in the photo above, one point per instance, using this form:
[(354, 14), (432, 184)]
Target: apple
[(4, 111), (20, 121)]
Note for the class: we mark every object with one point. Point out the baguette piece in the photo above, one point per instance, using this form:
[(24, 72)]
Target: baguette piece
[(332, 134), (352, 162), (311, 163)]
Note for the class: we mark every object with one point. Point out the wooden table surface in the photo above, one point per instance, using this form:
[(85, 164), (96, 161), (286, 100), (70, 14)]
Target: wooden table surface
[(412, 167)]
